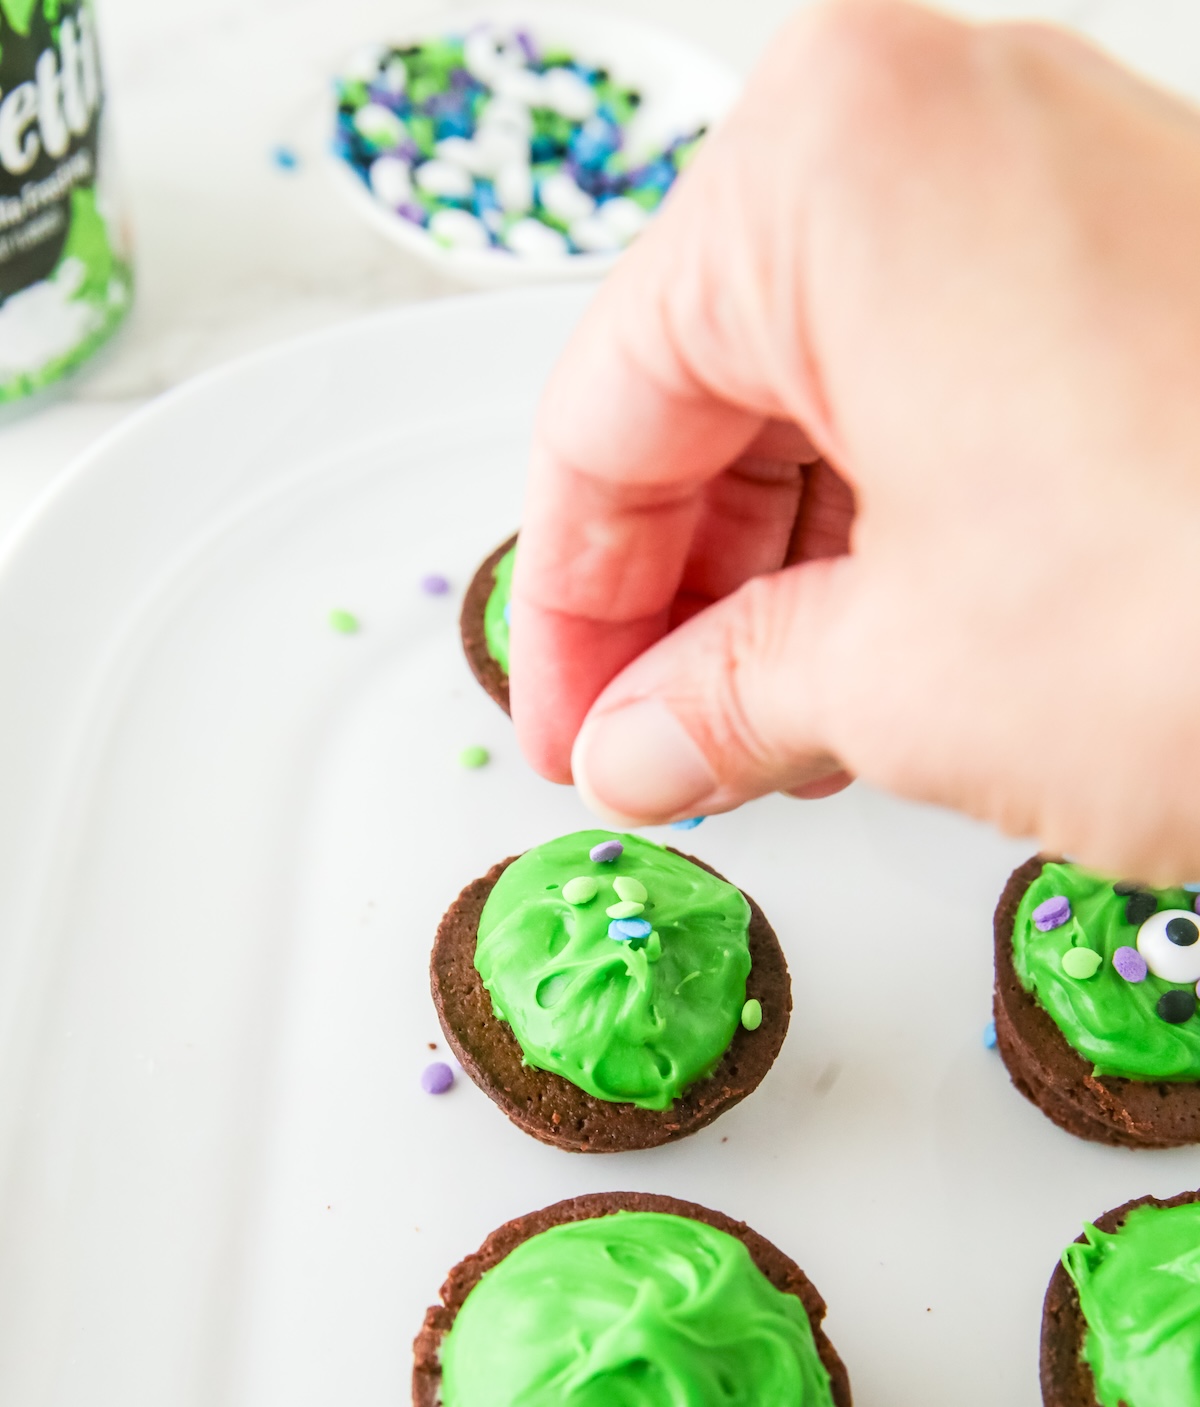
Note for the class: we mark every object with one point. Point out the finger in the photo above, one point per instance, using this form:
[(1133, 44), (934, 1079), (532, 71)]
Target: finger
[(732, 705), (827, 509)]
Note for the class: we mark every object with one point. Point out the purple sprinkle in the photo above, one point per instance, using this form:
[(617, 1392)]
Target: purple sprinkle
[(1130, 964), (1196, 903), (528, 48), (409, 211), (689, 825), (437, 1078), (623, 929), (434, 584), (1052, 913), (606, 852)]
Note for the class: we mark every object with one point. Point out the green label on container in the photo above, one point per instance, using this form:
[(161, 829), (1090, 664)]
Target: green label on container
[(64, 280)]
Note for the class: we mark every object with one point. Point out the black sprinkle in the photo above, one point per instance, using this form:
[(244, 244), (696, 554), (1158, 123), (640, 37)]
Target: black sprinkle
[(1139, 907), (1176, 1006), (1125, 887), (1182, 932)]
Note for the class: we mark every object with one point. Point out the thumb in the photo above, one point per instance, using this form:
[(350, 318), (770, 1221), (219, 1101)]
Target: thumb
[(731, 705)]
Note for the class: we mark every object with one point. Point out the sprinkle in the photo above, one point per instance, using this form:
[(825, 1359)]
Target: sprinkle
[(474, 756), (629, 888), (435, 584), (1125, 887), (752, 1015), (1081, 963), (285, 158), (989, 1036), (623, 929), (344, 623), (1130, 964), (581, 890), (507, 613), (1052, 913), (1176, 1006), (1191, 888), (625, 909), (1139, 907), (437, 1078), (689, 825), (1196, 903), (606, 852)]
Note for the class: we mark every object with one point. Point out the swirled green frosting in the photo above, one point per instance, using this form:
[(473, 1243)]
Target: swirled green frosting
[(495, 625), (1111, 1022), (1139, 1290), (632, 1022), (636, 1309)]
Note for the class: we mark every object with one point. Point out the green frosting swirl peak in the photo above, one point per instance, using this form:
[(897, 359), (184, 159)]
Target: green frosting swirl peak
[(1139, 1290), (633, 1022), (1109, 1021), (495, 623), (636, 1309)]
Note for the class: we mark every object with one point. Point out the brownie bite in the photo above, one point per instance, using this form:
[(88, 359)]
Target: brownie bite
[(593, 1299), (1095, 1003), (687, 987), (481, 652)]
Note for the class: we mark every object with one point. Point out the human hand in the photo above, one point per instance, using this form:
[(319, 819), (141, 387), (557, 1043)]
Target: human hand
[(958, 263)]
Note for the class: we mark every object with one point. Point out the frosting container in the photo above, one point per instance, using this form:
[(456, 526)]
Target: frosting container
[(65, 276)]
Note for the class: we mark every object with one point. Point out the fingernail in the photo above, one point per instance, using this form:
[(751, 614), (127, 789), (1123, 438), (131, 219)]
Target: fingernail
[(639, 764)]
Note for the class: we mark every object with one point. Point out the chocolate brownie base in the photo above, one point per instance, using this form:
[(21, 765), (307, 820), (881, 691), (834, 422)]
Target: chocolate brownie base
[(779, 1269), (1066, 1377), (550, 1107), (470, 623), (1054, 1076)]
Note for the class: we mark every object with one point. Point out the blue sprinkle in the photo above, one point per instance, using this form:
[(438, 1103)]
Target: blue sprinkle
[(689, 825), (1192, 888), (623, 929), (989, 1036), (285, 158), (508, 613)]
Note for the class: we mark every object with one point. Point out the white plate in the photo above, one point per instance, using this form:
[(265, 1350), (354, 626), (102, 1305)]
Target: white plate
[(683, 88), (228, 834)]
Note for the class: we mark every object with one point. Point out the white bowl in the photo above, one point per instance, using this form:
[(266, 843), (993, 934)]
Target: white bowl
[(682, 88)]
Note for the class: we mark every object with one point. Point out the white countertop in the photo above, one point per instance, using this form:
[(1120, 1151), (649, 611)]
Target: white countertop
[(234, 253)]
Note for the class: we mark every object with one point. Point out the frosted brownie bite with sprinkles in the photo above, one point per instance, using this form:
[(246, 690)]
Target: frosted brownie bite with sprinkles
[(626, 1297), (609, 993), (1096, 1003), (483, 623)]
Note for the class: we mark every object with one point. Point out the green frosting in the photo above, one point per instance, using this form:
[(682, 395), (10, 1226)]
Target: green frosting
[(636, 1309), (1109, 1021), (632, 1022), (1139, 1290), (495, 626)]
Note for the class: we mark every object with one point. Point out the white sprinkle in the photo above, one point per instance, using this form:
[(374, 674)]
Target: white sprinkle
[(506, 113), (514, 187), (379, 125), (624, 217), (458, 229), (567, 94), (564, 199), (363, 64), (391, 180), (441, 178), (593, 236), (523, 85), (533, 240)]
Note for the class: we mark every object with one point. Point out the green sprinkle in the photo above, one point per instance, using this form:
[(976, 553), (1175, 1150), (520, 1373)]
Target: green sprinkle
[(653, 946), (1081, 963), (581, 890), (626, 909), (474, 756), (629, 888), (752, 1015), (344, 623)]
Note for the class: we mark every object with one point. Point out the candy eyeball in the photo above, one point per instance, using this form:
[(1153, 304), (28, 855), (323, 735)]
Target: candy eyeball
[(1170, 942)]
